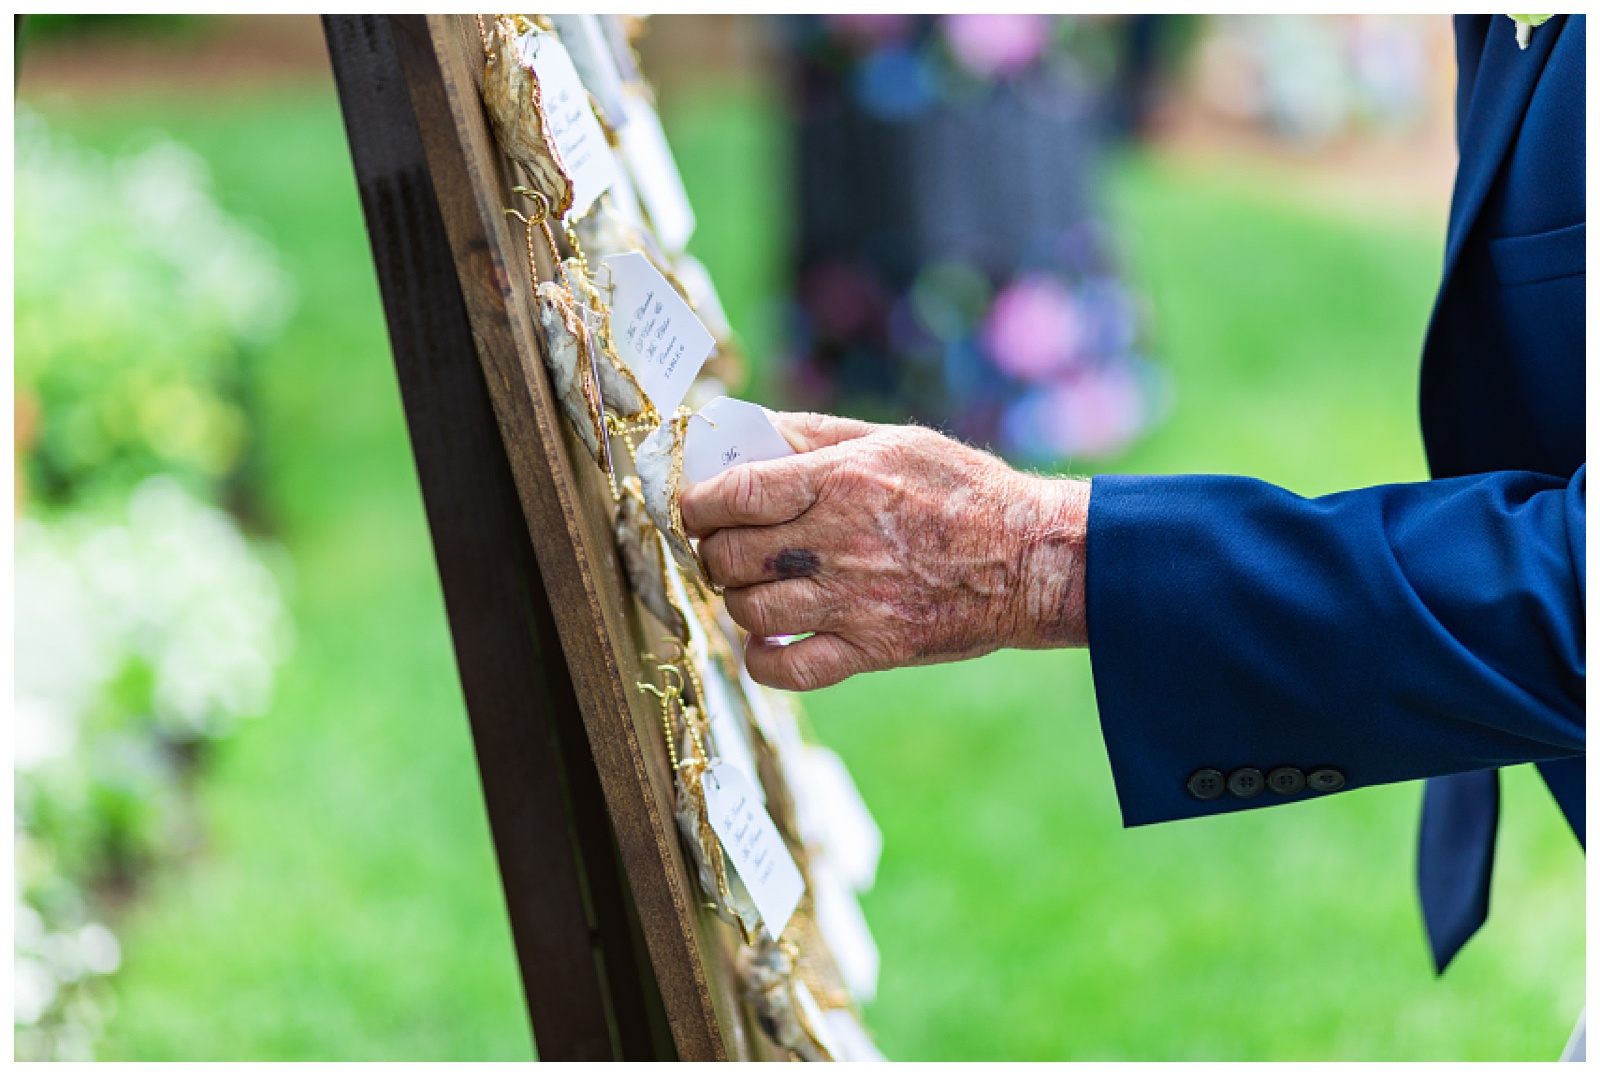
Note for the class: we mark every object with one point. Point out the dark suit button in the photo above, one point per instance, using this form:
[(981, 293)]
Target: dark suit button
[(1286, 780), (1246, 783), (1207, 784), (1325, 780)]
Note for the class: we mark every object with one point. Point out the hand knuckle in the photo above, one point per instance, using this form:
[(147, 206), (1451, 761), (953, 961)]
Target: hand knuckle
[(750, 608), (713, 553), (746, 497), (734, 601), (735, 553), (852, 472), (760, 611)]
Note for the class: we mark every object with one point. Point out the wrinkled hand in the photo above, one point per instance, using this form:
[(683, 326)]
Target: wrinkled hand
[(891, 546)]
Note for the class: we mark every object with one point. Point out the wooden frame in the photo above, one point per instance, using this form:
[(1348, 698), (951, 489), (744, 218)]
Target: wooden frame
[(620, 957)]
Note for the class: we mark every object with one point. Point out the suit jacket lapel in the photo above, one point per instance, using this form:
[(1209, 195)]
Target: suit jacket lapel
[(1502, 87), (1471, 31)]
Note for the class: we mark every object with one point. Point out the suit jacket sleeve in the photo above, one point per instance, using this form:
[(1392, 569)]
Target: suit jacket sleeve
[(1393, 632)]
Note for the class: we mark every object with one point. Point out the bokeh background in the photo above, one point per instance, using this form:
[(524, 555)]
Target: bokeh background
[(248, 820)]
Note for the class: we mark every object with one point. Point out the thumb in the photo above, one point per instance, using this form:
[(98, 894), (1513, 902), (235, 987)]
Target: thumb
[(813, 431), (808, 664)]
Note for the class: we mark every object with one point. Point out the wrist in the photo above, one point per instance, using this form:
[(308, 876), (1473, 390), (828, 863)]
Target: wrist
[(1051, 541)]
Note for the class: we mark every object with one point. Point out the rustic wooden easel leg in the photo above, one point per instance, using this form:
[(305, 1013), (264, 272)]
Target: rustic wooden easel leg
[(590, 991)]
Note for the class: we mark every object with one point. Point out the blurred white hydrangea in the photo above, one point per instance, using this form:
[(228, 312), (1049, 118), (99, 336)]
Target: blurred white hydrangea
[(146, 624), (59, 997), (174, 584), (158, 199), (172, 592)]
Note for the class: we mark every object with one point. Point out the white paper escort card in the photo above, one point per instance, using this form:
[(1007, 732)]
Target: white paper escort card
[(586, 42), (834, 815), (655, 174), (845, 929), (853, 1040), (656, 331), (753, 843), (699, 646), (727, 726), (702, 291), (586, 157), (728, 730), (816, 1020), (729, 432)]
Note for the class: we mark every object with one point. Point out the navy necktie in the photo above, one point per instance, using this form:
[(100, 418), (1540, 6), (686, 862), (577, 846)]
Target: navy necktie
[(1455, 858)]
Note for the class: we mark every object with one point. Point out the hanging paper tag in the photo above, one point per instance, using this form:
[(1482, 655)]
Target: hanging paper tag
[(702, 292), (845, 928), (655, 173), (777, 724), (626, 202), (816, 1020), (727, 727), (752, 842), (597, 67), (841, 818), (852, 1037), (655, 330), (761, 709), (729, 432), (585, 156), (621, 48), (699, 645)]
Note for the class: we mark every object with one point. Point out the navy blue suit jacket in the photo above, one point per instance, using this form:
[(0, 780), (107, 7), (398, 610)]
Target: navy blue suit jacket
[(1404, 631)]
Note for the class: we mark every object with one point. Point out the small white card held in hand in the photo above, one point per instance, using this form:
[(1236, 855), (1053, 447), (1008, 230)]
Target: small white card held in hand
[(752, 842), (729, 432), (656, 331), (585, 155)]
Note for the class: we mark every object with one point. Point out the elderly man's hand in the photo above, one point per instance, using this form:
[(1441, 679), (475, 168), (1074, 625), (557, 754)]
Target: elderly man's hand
[(891, 546)]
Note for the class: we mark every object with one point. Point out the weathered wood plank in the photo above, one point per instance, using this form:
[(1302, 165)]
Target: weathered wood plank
[(588, 990), (566, 508)]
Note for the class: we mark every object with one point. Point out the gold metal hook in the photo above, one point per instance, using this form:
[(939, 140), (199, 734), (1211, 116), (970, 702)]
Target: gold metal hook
[(672, 670), (540, 200)]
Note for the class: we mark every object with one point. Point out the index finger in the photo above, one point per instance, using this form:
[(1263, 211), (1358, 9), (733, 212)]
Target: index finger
[(813, 431), (760, 493)]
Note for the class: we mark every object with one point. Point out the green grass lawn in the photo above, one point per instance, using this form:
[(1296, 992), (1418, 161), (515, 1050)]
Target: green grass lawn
[(347, 904)]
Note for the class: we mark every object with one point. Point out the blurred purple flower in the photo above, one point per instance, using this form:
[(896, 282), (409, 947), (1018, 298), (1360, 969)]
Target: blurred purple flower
[(1095, 414), (1034, 330), (1112, 312), (993, 46)]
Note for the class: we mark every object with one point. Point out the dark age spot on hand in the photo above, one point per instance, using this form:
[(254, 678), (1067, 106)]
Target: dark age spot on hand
[(793, 563)]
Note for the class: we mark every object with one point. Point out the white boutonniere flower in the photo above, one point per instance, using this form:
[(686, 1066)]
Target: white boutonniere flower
[(1525, 26)]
